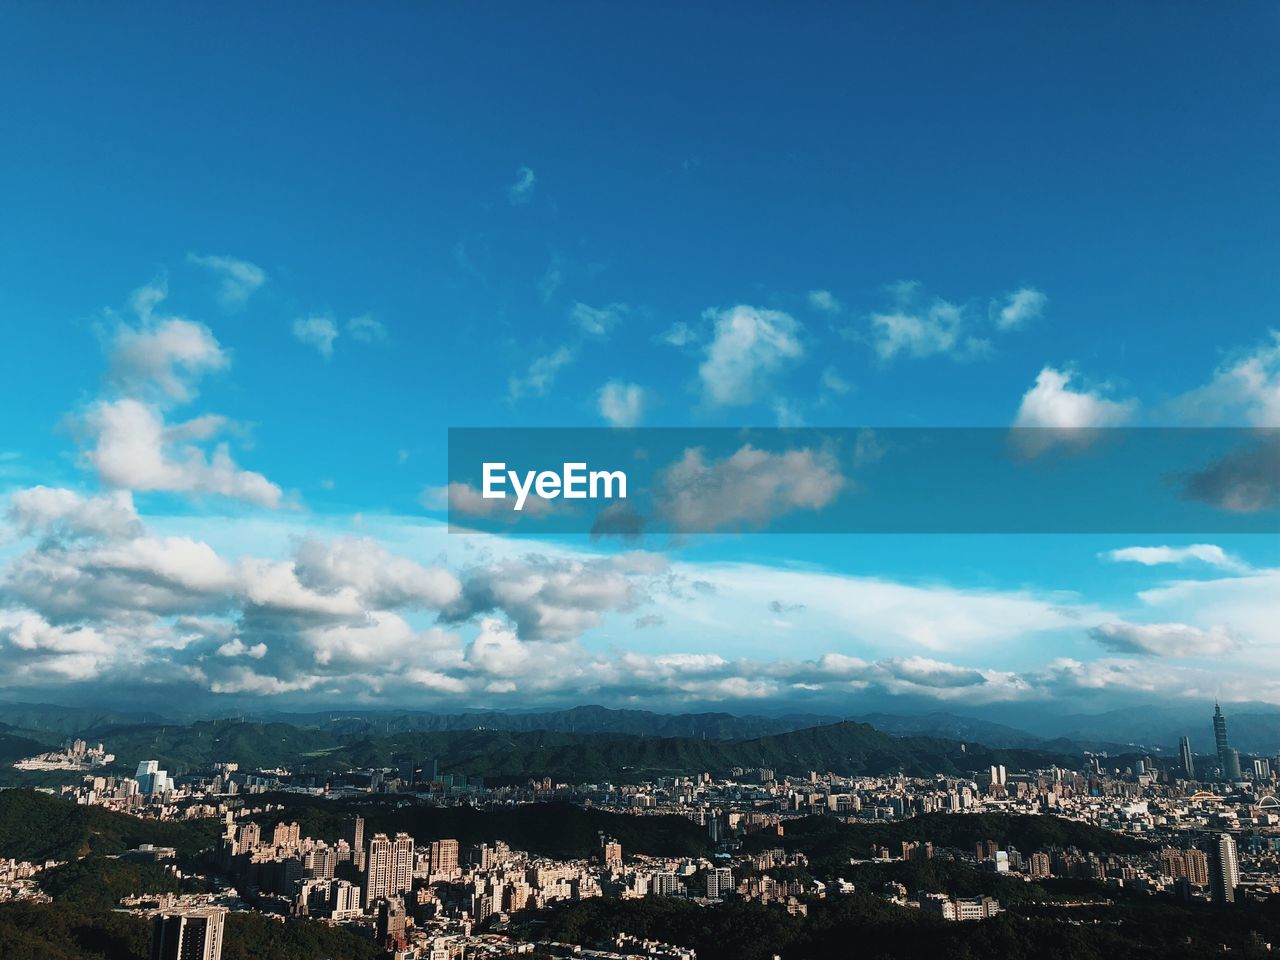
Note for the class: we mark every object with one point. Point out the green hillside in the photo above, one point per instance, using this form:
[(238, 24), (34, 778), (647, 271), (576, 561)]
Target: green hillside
[(36, 827), (845, 748)]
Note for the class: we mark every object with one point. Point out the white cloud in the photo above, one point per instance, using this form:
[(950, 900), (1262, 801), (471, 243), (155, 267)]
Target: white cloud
[(61, 513), (135, 450), (1244, 391), (750, 487), (597, 321), (1245, 604), (834, 383), (938, 329), (236, 648), (164, 358), (622, 404), (1018, 308), (540, 376), (679, 334), (240, 278), (1203, 552), (318, 332), (1052, 403), (750, 346), (824, 301), (521, 190), (366, 329), (1165, 639), (555, 598), (382, 580)]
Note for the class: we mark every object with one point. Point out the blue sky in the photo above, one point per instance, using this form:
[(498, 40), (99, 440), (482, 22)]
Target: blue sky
[(342, 232)]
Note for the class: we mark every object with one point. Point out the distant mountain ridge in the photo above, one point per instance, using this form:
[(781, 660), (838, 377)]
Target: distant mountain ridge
[(514, 755), (1254, 728)]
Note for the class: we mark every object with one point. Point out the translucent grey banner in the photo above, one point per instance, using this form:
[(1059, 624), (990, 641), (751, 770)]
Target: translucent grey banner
[(617, 482)]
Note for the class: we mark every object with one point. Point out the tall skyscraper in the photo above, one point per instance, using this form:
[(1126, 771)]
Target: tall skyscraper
[(1228, 759), (1224, 869), (355, 840), (389, 870), (1188, 760), (194, 934), (151, 779)]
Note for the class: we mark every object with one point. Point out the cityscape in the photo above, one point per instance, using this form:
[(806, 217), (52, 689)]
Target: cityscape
[(368, 854), (614, 482)]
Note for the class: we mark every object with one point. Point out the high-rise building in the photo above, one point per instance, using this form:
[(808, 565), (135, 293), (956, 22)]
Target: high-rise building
[(247, 837), (287, 835), (1039, 865), (1197, 866), (1228, 759), (610, 852), (1224, 869), (355, 840), (443, 858), (194, 934), (1187, 759), (151, 779), (389, 869), (391, 922), (719, 882)]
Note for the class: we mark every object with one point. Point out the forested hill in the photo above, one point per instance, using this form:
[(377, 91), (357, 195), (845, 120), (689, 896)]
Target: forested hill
[(844, 748), (37, 827)]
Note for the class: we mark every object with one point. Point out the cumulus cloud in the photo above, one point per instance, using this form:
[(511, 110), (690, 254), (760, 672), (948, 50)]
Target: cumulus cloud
[(750, 487), (521, 190), (1051, 402), (65, 514), (750, 346), (550, 598), (1243, 391), (381, 579), (1018, 308), (917, 329), (164, 359), (134, 449), (622, 404), (541, 375), (1164, 639), (35, 651), (239, 279), (318, 332), (153, 367), (1202, 552)]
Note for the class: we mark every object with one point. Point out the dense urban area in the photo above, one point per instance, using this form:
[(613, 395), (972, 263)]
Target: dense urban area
[(236, 839)]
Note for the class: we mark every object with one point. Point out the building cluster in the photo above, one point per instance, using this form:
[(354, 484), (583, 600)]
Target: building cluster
[(74, 755), (1214, 825), (19, 880)]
